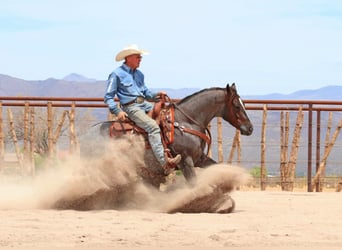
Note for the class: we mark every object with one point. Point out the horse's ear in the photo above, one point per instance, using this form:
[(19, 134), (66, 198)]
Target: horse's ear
[(228, 87), (231, 88)]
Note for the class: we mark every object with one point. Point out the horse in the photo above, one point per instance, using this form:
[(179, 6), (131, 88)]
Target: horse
[(192, 115)]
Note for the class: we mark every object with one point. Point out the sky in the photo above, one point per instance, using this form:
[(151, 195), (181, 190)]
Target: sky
[(264, 46)]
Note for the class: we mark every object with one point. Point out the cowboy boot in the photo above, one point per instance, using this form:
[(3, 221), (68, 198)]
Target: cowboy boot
[(171, 163), (175, 160)]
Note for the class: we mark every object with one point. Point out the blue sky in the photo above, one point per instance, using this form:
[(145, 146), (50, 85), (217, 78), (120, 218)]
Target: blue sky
[(264, 46)]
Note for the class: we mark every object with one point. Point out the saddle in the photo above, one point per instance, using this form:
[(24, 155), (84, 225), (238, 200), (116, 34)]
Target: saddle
[(162, 113)]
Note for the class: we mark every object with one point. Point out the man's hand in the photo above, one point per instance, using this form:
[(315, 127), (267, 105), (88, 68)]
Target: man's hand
[(161, 95), (121, 116)]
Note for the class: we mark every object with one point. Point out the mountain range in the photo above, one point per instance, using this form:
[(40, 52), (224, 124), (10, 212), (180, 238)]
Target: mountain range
[(72, 85), (77, 85)]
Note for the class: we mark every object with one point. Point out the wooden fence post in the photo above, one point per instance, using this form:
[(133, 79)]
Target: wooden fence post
[(32, 144), (235, 146), (284, 138), (2, 138), (50, 127), (294, 148), (282, 149), (59, 129), (326, 154), (263, 151), (287, 141), (26, 157), (327, 139), (73, 139), (15, 140)]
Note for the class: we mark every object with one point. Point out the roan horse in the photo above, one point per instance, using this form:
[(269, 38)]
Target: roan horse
[(192, 116)]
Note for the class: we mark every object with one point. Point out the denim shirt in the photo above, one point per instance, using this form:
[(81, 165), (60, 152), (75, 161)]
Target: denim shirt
[(127, 84)]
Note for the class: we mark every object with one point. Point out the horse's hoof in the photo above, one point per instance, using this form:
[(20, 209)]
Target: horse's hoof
[(227, 207)]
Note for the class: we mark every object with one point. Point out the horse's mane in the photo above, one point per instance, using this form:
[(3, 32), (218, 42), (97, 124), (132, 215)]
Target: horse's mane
[(185, 99)]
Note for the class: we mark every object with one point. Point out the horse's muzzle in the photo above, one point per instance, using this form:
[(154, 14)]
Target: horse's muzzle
[(246, 129)]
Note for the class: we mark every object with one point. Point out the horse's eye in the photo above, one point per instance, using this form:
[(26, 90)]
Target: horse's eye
[(236, 103)]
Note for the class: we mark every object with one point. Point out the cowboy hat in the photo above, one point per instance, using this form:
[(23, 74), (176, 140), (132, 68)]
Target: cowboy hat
[(129, 50)]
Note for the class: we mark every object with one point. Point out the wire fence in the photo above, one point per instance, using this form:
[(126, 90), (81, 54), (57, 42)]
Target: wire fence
[(82, 113)]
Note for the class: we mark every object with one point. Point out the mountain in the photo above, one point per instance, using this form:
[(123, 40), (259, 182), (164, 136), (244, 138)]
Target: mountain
[(77, 85), (10, 86), (70, 86), (331, 92), (74, 77)]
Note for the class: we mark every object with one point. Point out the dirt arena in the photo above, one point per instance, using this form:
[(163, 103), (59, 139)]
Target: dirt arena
[(260, 220)]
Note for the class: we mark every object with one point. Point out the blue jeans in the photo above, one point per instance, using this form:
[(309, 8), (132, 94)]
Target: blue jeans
[(145, 122)]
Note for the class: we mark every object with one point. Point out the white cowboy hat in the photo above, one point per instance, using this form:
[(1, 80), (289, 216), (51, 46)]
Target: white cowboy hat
[(129, 50)]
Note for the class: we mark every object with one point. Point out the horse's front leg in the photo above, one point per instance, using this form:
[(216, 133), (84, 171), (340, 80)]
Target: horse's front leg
[(205, 161), (188, 169)]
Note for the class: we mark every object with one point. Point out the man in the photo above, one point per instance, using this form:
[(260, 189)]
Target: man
[(127, 83)]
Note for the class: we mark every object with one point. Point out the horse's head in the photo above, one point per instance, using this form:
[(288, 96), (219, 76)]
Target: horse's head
[(235, 111)]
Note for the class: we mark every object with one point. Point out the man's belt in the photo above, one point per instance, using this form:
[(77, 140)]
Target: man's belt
[(139, 100)]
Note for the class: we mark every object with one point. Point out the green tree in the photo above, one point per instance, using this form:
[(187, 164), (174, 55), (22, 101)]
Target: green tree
[(256, 172)]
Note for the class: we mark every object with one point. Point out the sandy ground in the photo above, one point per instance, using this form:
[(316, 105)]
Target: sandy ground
[(261, 219), (267, 220)]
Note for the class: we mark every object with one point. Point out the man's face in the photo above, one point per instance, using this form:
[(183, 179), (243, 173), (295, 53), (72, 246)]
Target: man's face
[(133, 61)]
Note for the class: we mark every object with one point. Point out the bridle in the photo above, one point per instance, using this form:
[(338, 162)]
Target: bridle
[(233, 99)]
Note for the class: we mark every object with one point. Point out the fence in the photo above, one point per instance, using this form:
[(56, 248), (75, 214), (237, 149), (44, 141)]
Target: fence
[(266, 149)]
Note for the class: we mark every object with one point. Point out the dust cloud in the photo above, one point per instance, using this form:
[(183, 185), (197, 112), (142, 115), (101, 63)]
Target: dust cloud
[(111, 181)]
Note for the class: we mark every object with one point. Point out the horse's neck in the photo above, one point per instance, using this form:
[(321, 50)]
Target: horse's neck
[(203, 107)]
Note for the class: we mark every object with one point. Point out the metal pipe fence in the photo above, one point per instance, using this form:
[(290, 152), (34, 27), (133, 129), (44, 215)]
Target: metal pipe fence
[(311, 146)]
